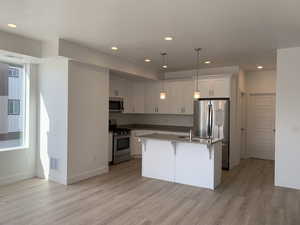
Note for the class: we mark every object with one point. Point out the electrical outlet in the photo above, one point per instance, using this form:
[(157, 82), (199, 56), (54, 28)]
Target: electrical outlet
[(53, 163)]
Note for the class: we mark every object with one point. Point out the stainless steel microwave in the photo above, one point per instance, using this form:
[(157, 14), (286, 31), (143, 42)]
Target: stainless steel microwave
[(116, 104)]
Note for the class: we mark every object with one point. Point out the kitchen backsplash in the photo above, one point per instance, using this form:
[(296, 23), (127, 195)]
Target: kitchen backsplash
[(153, 119)]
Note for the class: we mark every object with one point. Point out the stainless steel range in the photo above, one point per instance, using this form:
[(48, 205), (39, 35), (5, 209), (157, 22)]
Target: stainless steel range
[(121, 143)]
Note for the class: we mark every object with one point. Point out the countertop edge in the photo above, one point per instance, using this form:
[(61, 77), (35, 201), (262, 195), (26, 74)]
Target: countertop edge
[(202, 141)]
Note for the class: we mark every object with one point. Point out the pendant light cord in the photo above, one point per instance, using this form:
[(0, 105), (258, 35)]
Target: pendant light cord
[(197, 64), (163, 64)]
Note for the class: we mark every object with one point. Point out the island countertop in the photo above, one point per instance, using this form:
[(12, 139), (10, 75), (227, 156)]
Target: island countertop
[(180, 139), (157, 127)]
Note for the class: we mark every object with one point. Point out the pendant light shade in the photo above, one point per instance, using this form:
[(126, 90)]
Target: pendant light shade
[(163, 93), (197, 94)]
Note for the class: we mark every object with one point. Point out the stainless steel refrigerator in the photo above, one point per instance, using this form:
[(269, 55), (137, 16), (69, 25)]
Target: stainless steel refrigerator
[(212, 120)]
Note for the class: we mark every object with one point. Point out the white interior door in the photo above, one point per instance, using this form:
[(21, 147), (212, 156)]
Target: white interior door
[(261, 126)]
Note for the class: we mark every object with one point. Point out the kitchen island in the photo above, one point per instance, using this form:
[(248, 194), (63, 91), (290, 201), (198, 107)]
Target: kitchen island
[(196, 162)]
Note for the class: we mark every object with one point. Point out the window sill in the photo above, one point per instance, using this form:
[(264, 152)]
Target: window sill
[(13, 149)]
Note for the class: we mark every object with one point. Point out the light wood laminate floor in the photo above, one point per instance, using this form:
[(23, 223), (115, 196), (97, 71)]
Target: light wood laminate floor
[(123, 197)]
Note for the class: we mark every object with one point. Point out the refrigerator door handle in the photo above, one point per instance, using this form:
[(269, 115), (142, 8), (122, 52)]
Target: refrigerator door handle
[(209, 121)]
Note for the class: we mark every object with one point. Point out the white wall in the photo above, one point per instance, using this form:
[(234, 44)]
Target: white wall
[(53, 119), (287, 153), (91, 56), (19, 44), (88, 121), (261, 81), (20, 164), (235, 153)]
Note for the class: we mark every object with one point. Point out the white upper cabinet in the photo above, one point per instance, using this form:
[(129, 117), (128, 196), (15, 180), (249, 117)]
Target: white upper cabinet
[(118, 87), (152, 90), (220, 88), (135, 101), (143, 96), (138, 91), (188, 97), (180, 97), (153, 103), (204, 86), (214, 88)]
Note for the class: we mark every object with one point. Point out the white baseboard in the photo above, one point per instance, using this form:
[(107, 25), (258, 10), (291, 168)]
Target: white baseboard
[(58, 179), (16, 177), (87, 174)]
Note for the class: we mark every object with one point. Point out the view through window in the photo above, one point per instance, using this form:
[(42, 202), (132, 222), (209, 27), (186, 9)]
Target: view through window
[(12, 106)]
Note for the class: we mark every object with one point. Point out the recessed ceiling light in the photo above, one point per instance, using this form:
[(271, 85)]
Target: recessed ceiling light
[(260, 67), (114, 48), (165, 66), (11, 25), (147, 60), (207, 62), (168, 38)]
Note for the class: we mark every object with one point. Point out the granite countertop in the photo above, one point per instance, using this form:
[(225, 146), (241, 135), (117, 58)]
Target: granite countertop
[(182, 139), (157, 127)]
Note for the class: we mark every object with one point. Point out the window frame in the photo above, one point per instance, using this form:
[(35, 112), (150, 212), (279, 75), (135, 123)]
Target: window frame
[(18, 101), (13, 76), (25, 107)]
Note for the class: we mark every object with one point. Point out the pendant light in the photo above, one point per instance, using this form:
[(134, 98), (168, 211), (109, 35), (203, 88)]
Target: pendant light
[(163, 93), (197, 91)]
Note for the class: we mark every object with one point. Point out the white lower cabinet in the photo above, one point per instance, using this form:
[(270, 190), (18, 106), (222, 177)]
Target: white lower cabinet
[(187, 159), (185, 163), (161, 167)]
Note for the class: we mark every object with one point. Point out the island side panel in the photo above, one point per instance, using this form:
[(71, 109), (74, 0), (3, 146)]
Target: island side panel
[(217, 163), (195, 165), (158, 160)]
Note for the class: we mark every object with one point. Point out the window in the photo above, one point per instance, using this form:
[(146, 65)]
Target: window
[(13, 102), (13, 72), (13, 107)]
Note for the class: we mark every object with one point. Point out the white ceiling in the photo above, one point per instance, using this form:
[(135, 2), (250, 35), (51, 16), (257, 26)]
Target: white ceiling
[(231, 32)]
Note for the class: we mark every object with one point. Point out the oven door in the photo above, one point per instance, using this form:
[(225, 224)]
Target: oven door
[(116, 105), (121, 145)]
